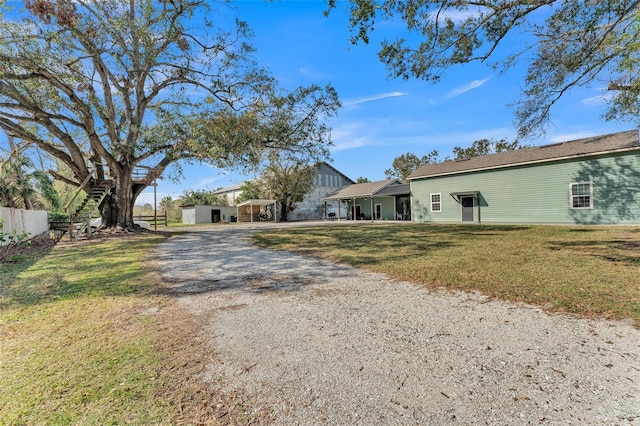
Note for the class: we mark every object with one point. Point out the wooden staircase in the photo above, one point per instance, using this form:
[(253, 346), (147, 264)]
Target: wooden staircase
[(96, 190), (97, 193)]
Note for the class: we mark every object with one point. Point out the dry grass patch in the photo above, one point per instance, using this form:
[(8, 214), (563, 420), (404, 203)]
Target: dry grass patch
[(590, 271)]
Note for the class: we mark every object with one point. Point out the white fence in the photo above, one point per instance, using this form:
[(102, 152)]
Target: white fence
[(33, 222)]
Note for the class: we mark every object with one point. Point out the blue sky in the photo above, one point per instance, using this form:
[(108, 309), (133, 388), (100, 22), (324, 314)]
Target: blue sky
[(383, 118)]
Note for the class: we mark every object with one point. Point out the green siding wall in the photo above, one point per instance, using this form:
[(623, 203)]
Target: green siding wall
[(539, 193), (388, 206)]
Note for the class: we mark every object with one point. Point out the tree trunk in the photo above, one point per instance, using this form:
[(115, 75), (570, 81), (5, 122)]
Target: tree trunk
[(285, 208), (117, 209)]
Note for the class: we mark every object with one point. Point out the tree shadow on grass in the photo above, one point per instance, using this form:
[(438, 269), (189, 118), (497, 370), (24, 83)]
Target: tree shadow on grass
[(613, 250), (71, 271), (376, 233), (363, 244), (276, 283), (368, 256)]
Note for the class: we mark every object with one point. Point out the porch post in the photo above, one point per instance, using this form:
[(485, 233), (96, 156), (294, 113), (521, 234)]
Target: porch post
[(372, 211), (353, 208), (395, 207)]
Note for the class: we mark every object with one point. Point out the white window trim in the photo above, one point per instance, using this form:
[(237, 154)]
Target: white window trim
[(431, 202), (571, 196)]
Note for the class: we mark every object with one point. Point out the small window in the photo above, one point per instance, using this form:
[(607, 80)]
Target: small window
[(436, 202), (581, 195)]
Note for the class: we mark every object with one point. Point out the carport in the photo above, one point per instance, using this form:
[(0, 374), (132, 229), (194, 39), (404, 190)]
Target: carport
[(250, 208)]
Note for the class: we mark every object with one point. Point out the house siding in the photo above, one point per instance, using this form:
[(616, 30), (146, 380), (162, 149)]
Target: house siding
[(388, 207), (539, 193), (326, 181)]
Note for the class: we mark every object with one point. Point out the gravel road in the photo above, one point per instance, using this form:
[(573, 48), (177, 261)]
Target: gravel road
[(323, 343)]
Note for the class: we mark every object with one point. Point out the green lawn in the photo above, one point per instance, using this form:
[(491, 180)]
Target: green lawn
[(70, 352), (85, 338), (590, 271)]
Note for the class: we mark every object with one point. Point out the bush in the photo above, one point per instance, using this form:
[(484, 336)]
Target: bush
[(57, 216)]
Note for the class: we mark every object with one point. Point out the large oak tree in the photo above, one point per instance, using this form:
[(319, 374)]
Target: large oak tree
[(287, 180), (566, 44), (112, 87)]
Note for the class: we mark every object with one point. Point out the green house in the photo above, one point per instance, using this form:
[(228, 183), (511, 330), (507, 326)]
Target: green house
[(594, 180)]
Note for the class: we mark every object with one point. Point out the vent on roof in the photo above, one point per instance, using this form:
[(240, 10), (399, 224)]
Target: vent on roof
[(550, 145), (463, 159)]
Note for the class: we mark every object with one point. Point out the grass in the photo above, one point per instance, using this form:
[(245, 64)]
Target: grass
[(85, 338), (589, 271), (71, 352)]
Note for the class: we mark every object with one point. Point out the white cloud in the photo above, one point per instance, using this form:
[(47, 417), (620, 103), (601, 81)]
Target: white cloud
[(460, 90), (312, 74), (411, 133), (372, 98), (566, 137), (349, 144), (467, 87), (203, 183), (349, 136), (456, 16), (597, 100)]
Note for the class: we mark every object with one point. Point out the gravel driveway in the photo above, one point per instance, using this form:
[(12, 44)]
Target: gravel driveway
[(324, 343)]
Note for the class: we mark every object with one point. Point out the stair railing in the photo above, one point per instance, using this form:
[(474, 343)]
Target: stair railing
[(67, 206)]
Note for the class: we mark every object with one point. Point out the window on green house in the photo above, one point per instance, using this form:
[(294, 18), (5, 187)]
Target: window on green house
[(581, 194), (436, 202)]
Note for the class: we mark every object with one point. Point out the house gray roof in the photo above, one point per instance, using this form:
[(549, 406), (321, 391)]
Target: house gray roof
[(358, 190), (392, 190), (596, 145)]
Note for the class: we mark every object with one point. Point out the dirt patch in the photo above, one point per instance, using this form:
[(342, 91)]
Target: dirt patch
[(36, 247)]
